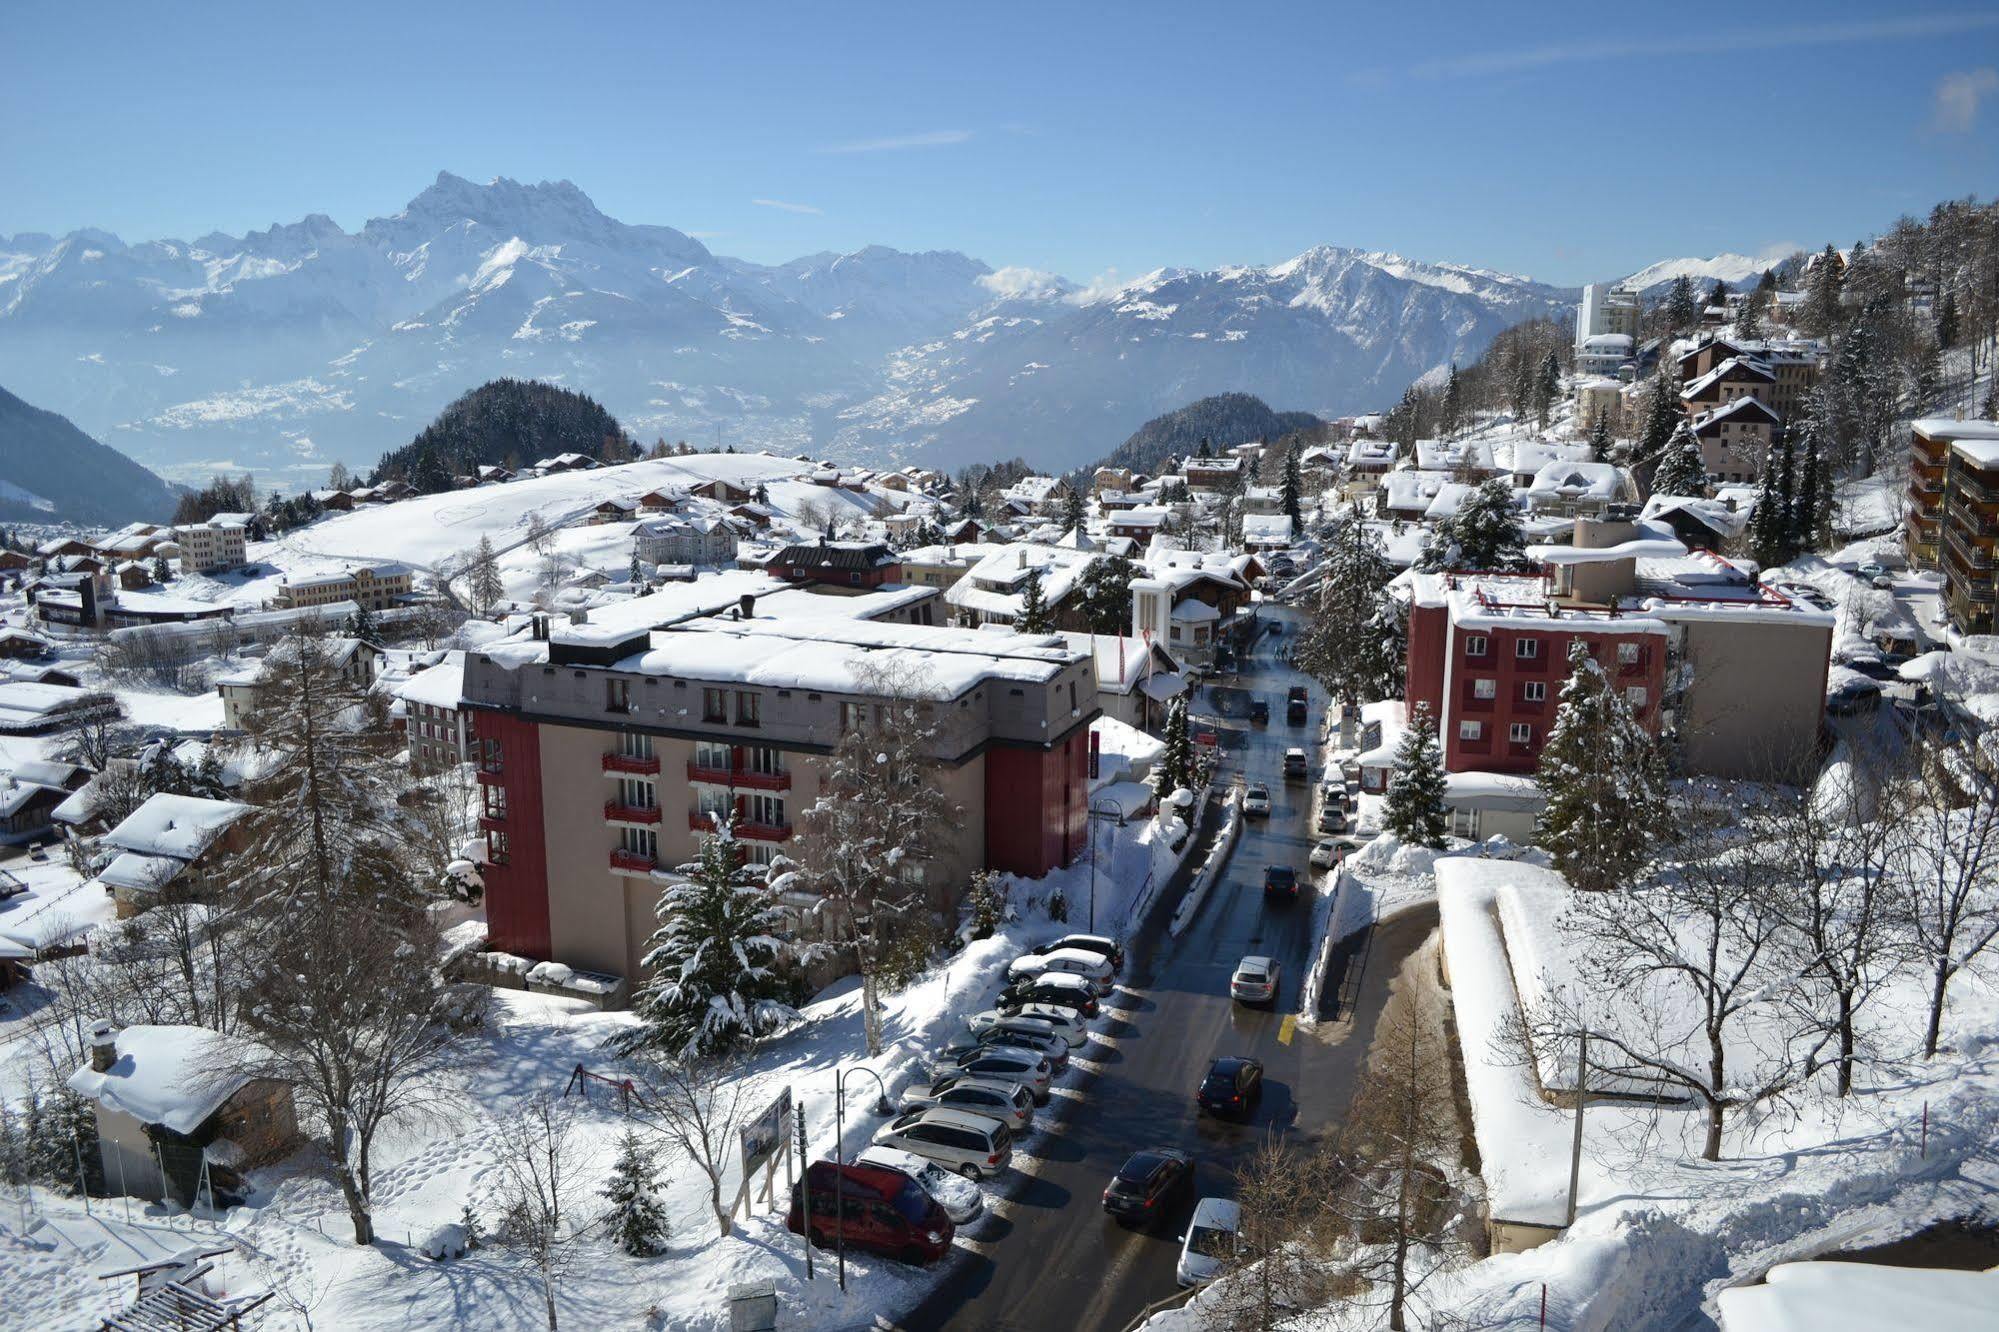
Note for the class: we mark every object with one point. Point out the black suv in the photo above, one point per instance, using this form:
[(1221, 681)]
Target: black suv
[(1280, 881), (1233, 1088), (1150, 1182)]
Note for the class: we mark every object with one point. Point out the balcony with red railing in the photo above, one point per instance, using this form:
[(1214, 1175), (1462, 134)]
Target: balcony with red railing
[(493, 822), (739, 777), (617, 811), (699, 821), (624, 764), (631, 862)]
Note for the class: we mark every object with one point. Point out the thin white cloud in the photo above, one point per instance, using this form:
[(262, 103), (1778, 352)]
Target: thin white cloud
[(1105, 284), (1955, 108), (895, 142), (1705, 41), (1019, 283), (784, 207)]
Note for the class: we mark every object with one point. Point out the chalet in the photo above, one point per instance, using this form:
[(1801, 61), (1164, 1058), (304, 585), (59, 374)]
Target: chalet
[(837, 563), (1469, 459), (966, 531), (1735, 439), (727, 492), (17, 644), (1212, 474), (166, 839), (992, 590), (177, 1114), (617, 509), (50, 549), (334, 501), (565, 462), (12, 561), (1138, 524), (492, 473), (660, 501), (35, 709), (1042, 495), (29, 795)]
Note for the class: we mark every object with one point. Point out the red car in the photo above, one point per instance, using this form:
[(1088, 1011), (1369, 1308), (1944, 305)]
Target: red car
[(873, 1208)]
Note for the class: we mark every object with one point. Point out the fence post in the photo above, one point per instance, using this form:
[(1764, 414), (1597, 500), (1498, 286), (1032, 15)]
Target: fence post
[(82, 1181)]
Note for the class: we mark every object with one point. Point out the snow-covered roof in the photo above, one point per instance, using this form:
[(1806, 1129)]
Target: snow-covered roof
[(1448, 498), (176, 1076), (1440, 455), (1411, 491), (1193, 610), (1525, 457), (180, 826), (1607, 343), (1744, 406), (1579, 480), (1862, 1297), (438, 686), (1123, 661), (995, 583), (1371, 453), (1266, 527)]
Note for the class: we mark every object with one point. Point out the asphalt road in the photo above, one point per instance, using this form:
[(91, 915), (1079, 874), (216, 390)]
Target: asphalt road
[(1047, 1257)]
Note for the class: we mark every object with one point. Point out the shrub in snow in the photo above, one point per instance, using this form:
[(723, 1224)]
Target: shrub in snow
[(1604, 780), (636, 1219), (986, 902), (448, 1241)]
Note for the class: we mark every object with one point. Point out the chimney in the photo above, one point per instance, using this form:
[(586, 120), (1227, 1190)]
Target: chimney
[(746, 606), (580, 615), (103, 1045)]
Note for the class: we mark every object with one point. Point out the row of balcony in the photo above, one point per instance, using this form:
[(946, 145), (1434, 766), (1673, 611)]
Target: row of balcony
[(1968, 555), (700, 821), (626, 765)]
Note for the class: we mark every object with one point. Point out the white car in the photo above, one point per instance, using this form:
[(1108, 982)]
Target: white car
[(1255, 980), (1032, 1020), (976, 1146), (1003, 1063), (1210, 1241), (1048, 1045), (961, 1199), (1329, 851), (1076, 961), (1008, 1102), (1256, 802)]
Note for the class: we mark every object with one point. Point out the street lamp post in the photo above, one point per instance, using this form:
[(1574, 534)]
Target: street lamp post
[(840, 1157)]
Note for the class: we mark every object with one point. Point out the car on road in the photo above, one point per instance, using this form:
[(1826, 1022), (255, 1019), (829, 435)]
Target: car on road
[(1056, 987), (1259, 711), (1280, 881), (878, 1208), (1005, 1062), (1255, 980), (1256, 802), (1233, 1088), (1295, 765), (961, 1199), (1872, 569), (1043, 1044), (976, 1146), (1094, 967), (1008, 1102), (1149, 1184), (1330, 851), (1034, 1020), (1295, 705), (1101, 944), (1209, 1244), (1332, 819)]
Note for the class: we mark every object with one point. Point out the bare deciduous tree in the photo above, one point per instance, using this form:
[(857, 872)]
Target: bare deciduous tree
[(538, 1191), (698, 1106), (1947, 852)]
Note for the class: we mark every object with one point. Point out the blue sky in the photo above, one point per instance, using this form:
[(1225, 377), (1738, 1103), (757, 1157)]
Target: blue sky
[(1572, 143)]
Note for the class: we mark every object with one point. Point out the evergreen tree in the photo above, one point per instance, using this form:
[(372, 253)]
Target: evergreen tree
[(1662, 415), (482, 578), (1813, 506), (1073, 511), (162, 571), (715, 981), (1453, 411), (1176, 763), (1034, 617), (636, 1218), (1547, 387), (1414, 810), (1603, 779), (1600, 438), (1718, 296), (1682, 309), (1947, 322), (1819, 312), (1104, 593), (635, 573), (1485, 533), (1681, 470), (1770, 525), (1206, 450), (1353, 642), (361, 624), (1291, 489), (761, 494)]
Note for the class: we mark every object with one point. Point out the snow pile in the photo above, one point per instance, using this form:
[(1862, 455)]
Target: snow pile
[(1861, 1297)]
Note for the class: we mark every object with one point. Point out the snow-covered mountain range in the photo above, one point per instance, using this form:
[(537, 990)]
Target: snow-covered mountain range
[(283, 349)]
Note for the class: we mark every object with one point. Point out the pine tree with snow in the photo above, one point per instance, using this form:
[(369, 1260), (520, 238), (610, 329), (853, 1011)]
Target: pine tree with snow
[(1074, 513), (1034, 616), (1485, 533), (1175, 768), (1819, 312), (714, 964), (1104, 594), (1352, 644), (1414, 810), (1547, 387), (482, 578), (1681, 470), (1769, 533), (1206, 450), (1451, 415), (361, 625), (1600, 440), (1662, 416), (635, 574), (1813, 506), (636, 1219), (1682, 308), (162, 571), (1604, 781), (1291, 488)]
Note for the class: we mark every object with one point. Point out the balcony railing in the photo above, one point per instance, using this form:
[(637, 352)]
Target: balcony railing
[(1968, 555), (700, 821), (617, 811), (490, 777), (493, 822), (631, 862), (743, 777), (626, 763)]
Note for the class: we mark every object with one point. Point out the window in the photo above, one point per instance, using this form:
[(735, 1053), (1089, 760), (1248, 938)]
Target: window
[(853, 717), (1526, 648), (1470, 730), (1485, 688), (496, 801), (767, 810), (764, 760), (713, 754), (718, 804), (639, 842), (1627, 654), (490, 756), (748, 708), (1534, 691), (637, 793), (1475, 645), (1520, 733), (1635, 696), (715, 705), (618, 695), (496, 847), (634, 744)]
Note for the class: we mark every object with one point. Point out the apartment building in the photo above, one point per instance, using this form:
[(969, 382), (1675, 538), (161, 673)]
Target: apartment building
[(1962, 526), (1735, 439), (374, 586), (992, 590), (1212, 474), (865, 564), (435, 720), (686, 539), (606, 748), (1607, 309), (1793, 366), (219, 543), (1731, 672)]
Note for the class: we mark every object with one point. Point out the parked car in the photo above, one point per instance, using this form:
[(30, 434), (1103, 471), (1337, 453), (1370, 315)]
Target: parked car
[(1336, 793), (1044, 1045), (1259, 711), (1061, 988), (1006, 1062), (1882, 582), (1294, 765), (1331, 850), (1332, 819), (885, 1211), (961, 1199), (1149, 1184), (1255, 980), (1008, 1102), (1233, 1088), (1872, 569), (975, 1146), (1256, 802), (1280, 881), (1853, 696), (1094, 967), (1103, 945), (1034, 1020), (1209, 1244)]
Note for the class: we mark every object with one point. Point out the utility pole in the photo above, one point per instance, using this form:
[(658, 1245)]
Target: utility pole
[(804, 1189), (1576, 1143)]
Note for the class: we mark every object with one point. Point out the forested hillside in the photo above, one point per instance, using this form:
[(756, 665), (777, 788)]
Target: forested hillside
[(510, 423), (1222, 420), (49, 469)]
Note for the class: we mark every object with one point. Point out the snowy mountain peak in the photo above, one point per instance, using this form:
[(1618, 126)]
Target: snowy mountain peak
[(1729, 268)]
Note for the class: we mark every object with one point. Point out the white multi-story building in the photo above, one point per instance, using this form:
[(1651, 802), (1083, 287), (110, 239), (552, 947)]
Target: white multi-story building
[(217, 544)]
